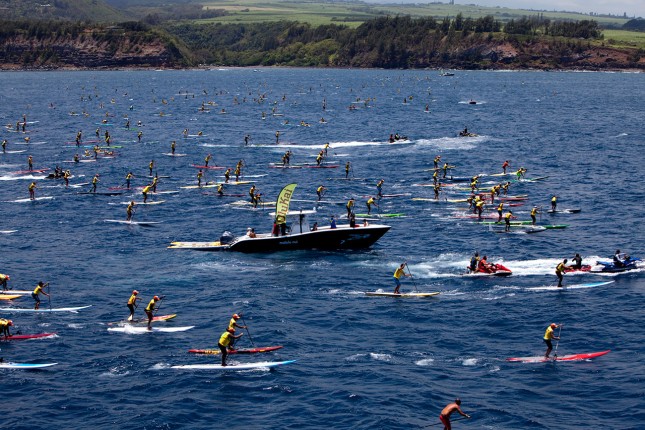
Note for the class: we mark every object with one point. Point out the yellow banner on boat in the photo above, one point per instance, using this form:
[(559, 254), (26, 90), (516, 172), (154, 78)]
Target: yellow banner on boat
[(282, 204)]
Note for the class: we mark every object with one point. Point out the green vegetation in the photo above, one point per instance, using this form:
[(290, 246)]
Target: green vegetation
[(69, 10), (624, 38)]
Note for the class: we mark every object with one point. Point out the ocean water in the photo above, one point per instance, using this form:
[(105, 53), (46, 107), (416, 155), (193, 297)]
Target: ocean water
[(362, 363)]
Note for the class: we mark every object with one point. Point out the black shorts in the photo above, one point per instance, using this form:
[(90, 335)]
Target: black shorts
[(548, 343)]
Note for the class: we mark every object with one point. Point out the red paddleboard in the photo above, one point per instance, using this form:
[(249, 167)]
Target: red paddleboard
[(236, 351), (572, 357), (26, 336)]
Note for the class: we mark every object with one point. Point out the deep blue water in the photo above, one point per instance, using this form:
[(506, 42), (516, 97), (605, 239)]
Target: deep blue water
[(362, 362)]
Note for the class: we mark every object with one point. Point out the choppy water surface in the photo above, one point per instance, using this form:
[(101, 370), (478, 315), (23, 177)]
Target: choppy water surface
[(361, 362)]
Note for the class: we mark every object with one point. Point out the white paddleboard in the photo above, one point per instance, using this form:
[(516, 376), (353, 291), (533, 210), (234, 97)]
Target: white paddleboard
[(30, 200), (25, 365), (246, 366), (45, 310), (139, 223), (570, 287), (174, 155), (138, 329), (404, 295), (7, 231), (158, 202)]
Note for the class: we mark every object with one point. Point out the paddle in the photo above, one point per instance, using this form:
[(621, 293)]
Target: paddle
[(555, 353), (49, 295), (247, 330), (413, 281), (440, 423), (157, 309)]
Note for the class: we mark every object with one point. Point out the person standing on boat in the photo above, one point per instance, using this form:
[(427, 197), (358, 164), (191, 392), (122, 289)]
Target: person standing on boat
[(554, 202), (199, 178), (32, 191), (37, 291), (559, 271), (379, 188), (150, 310), (397, 277), (3, 281), (129, 210), (145, 192), (548, 336), (507, 220), (500, 209), (132, 304), (444, 417), (370, 202), (320, 191), (4, 327), (534, 211), (226, 341), (350, 207), (505, 165)]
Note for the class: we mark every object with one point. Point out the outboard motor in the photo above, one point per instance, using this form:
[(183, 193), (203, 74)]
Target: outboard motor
[(226, 238)]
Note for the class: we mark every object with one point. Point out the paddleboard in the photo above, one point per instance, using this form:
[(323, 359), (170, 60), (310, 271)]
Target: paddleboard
[(236, 351), (564, 211), (158, 202), (571, 357), (246, 366), (145, 320), (45, 310), (98, 193), (138, 329), (404, 295), (26, 336), (17, 292), (570, 287), (5, 296), (174, 155), (7, 231), (139, 223), (377, 215), (25, 366), (31, 200), (208, 167)]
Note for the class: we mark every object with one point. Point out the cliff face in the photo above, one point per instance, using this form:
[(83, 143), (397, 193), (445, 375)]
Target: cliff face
[(88, 50)]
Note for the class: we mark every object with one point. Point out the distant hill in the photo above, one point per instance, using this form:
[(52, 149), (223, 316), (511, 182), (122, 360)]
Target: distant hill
[(68, 10)]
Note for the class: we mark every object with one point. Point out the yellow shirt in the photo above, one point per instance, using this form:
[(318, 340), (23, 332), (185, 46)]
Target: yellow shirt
[(225, 339), (151, 305), (548, 334), (132, 300), (231, 323), (38, 290), (398, 273), (559, 268), (146, 189)]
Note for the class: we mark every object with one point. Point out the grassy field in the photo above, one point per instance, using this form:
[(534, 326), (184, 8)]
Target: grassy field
[(353, 14), (632, 39)]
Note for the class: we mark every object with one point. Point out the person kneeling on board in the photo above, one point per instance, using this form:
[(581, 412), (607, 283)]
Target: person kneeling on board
[(225, 342)]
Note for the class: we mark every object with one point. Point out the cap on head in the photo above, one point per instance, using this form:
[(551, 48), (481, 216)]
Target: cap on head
[(9, 322), (135, 292), (236, 317), (155, 298), (230, 330), (553, 325)]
